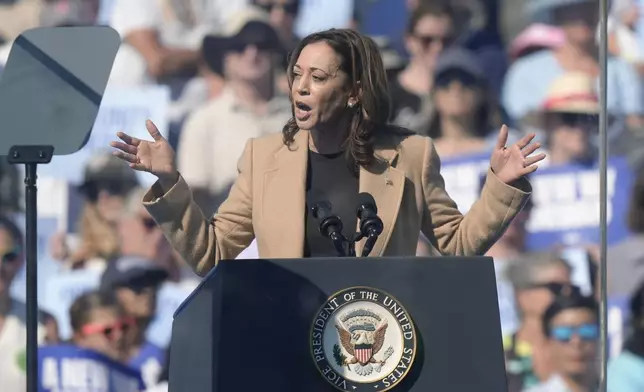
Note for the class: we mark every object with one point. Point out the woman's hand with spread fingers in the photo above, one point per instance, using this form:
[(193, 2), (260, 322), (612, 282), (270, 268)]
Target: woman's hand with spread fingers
[(513, 162), (155, 157)]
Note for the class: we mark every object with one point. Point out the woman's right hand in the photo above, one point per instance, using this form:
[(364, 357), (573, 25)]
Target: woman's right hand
[(156, 157)]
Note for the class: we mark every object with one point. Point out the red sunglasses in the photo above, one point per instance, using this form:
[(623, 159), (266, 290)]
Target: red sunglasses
[(108, 330)]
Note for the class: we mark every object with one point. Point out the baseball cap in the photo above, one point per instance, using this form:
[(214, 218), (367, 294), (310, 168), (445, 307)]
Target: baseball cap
[(134, 272), (458, 59), (109, 170)]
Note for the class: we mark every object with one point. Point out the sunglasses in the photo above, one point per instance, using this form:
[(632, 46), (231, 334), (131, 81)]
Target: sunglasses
[(110, 331), (427, 40), (113, 188), (456, 75), (148, 223), (261, 45), (288, 8), (11, 256), (575, 120), (556, 288), (565, 333)]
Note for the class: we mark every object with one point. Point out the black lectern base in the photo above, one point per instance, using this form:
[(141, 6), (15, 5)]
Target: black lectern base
[(367, 324)]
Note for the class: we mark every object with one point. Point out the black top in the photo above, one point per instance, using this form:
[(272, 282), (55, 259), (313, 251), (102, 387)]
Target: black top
[(329, 178)]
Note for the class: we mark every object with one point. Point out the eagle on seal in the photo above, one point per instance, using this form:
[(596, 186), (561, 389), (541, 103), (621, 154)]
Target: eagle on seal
[(362, 338)]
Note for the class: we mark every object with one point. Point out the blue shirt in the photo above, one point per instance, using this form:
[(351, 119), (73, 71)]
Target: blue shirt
[(528, 81), (149, 362), (626, 373)]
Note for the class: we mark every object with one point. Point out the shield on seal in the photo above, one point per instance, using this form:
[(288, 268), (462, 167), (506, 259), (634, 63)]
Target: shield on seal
[(363, 353)]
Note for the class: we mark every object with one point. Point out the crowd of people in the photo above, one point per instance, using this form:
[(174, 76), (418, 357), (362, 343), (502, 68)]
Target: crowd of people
[(457, 73)]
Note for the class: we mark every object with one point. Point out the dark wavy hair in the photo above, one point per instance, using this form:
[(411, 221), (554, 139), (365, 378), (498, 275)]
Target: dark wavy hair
[(361, 61)]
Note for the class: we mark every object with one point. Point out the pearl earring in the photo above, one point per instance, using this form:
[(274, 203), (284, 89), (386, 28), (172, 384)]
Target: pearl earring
[(351, 104)]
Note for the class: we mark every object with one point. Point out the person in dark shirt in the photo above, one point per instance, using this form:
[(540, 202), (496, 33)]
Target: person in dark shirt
[(429, 32)]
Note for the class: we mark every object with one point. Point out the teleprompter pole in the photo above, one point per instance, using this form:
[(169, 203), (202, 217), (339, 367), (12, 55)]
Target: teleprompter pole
[(31, 156)]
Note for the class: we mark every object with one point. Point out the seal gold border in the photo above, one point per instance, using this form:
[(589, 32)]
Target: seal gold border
[(321, 310)]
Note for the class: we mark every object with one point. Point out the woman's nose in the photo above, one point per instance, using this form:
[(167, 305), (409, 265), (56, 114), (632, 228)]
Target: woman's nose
[(303, 86)]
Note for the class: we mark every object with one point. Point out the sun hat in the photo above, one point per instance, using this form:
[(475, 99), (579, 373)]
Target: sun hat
[(573, 92)]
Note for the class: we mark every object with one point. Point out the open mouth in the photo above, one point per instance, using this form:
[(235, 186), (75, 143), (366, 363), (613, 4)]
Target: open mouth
[(302, 111)]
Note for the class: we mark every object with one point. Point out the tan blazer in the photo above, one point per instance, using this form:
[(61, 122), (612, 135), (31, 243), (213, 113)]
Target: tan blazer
[(267, 202)]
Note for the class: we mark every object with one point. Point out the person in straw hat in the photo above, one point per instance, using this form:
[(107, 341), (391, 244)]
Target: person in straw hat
[(569, 118)]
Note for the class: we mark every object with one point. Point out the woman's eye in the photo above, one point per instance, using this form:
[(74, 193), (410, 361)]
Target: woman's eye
[(318, 78)]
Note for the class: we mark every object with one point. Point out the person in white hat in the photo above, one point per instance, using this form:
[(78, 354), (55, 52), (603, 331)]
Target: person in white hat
[(569, 115)]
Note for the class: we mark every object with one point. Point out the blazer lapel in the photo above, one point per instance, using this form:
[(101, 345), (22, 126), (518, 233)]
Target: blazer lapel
[(386, 184), (284, 198)]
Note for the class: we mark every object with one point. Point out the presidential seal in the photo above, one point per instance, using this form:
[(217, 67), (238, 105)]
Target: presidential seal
[(363, 339)]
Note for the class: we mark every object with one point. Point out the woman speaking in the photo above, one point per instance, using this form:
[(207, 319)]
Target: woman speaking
[(336, 146)]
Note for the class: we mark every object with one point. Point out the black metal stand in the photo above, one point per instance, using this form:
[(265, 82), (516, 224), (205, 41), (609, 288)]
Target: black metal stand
[(31, 157)]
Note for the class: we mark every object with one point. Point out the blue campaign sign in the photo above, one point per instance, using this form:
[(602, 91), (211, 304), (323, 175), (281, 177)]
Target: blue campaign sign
[(565, 199), (67, 368), (566, 204)]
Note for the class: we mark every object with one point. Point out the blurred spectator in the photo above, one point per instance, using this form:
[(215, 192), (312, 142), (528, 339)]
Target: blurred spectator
[(569, 118), (135, 281), (46, 13), (529, 78), (536, 281), (430, 30), (107, 181), (69, 12), (535, 38), (162, 37), (622, 37), (478, 32), (282, 16), (626, 372), (13, 314), (626, 259), (393, 62), (98, 325), (571, 324), (247, 107), (139, 235), (17, 16), (164, 377), (10, 186), (511, 246), (465, 111), (161, 45)]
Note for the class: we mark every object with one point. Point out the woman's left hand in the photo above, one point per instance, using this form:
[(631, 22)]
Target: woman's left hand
[(511, 163)]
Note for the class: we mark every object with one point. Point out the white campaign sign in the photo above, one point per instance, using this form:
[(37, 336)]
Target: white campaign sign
[(122, 109)]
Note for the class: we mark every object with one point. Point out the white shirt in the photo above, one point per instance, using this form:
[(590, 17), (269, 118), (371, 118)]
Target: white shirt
[(214, 137), (180, 24), (13, 343)]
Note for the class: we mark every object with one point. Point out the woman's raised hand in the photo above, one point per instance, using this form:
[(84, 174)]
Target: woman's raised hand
[(513, 162), (156, 157)]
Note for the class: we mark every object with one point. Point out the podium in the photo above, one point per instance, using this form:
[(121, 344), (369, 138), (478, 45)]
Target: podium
[(328, 324)]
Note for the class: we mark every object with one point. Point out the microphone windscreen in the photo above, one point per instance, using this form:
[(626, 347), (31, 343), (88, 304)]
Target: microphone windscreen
[(318, 204), (366, 200)]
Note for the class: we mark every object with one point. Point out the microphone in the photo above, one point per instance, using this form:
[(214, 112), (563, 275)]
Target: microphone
[(330, 225), (370, 224)]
